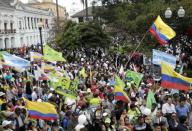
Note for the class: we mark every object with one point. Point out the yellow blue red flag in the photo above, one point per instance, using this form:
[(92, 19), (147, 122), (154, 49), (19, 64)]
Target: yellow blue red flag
[(120, 94), (41, 110), (172, 79), (161, 31)]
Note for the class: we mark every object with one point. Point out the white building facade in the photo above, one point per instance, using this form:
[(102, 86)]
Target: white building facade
[(19, 24)]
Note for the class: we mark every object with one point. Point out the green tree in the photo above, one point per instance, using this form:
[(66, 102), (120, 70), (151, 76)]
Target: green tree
[(132, 19), (86, 35)]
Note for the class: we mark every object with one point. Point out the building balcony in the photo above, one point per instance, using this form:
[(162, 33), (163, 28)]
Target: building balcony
[(10, 31)]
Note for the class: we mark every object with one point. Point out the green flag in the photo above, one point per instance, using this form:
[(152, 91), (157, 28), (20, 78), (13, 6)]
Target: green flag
[(119, 82), (57, 81), (83, 73), (64, 93), (134, 76), (150, 99), (74, 86), (52, 55)]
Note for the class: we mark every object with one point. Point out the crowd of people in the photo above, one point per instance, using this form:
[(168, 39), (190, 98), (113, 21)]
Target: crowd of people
[(94, 108)]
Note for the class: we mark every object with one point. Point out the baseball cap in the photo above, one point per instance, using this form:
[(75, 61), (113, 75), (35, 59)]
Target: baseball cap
[(5, 123), (89, 90), (2, 93)]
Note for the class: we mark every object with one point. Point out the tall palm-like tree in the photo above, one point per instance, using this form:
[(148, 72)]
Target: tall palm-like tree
[(85, 4), (57, 8)]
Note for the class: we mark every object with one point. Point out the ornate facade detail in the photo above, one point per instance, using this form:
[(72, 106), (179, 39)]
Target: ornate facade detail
[(19, 24)]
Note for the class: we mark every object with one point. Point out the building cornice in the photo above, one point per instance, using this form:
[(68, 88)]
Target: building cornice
[(41, 3), (26, 8)]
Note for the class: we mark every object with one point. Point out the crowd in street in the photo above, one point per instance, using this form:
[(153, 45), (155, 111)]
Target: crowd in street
[(95, 108)]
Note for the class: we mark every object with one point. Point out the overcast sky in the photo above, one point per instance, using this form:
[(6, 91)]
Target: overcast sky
[(72, 6)]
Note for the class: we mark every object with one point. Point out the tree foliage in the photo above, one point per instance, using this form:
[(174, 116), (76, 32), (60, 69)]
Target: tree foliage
[(86, 35), (131, 19)]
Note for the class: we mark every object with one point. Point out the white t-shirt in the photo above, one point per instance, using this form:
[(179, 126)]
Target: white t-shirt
[(34, 96), (166, 108)]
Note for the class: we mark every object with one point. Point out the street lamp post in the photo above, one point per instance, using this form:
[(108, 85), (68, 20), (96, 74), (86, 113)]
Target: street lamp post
[(40, 25), (180, 12), (168, 15)]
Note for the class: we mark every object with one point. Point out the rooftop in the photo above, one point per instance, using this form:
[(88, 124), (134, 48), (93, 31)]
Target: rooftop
[(6, 3), (82, 13)]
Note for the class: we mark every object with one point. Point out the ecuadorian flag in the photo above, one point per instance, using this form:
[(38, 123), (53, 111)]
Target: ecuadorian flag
[(41, 110), (162, 32), (172, 79), (120, 94)]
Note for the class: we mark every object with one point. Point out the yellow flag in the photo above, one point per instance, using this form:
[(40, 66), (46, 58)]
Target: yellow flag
[(82, 72)]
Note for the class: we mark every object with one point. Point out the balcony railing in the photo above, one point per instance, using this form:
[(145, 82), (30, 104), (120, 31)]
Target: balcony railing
[(10, 31)]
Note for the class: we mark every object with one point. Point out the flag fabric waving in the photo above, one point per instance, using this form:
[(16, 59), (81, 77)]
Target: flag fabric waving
[(172, 79), (161, 31), (120, 94), (83, 73), (41, 110), (134, 76), (35, 56), (63, 82), (52, 55), (17, 63), (119, 82), (150, 99)]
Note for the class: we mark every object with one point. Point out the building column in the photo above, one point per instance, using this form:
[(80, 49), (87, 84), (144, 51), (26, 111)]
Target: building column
[(8, 25), (12, 42), (27, 40), (28, 23), (32, 23), (23, 23), (7, 43), (2, 45), (1, 25)]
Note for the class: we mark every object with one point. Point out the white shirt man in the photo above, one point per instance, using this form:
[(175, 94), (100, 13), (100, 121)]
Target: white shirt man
[(34, 95), (168, 107)]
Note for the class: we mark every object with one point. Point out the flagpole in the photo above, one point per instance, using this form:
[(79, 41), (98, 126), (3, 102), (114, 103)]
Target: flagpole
[(137, 47)]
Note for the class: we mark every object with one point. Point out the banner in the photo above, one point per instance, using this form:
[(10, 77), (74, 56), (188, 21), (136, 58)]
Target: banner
[(159, 56), (172, 80), (83, 73), (63, 82), (52, 55), (65, 93), (36, 57), (16, 62), (41, 110), (47, 67), (150, 99), (134, 76), (162, 32), (74, 86), (40, 74)]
